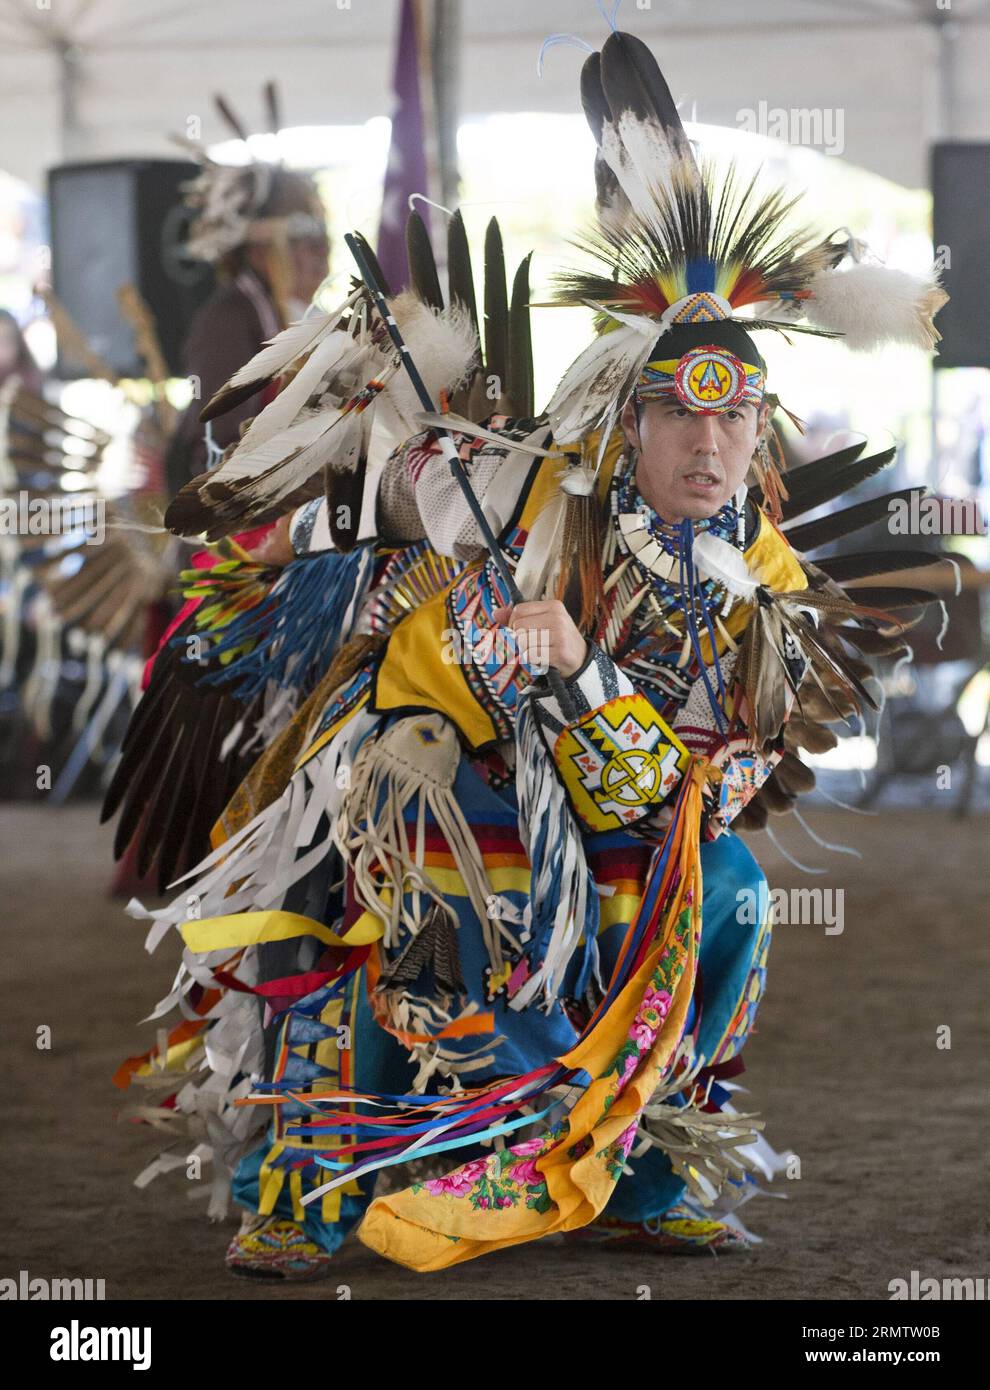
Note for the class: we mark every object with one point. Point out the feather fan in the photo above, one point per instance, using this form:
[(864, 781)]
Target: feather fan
[(319, 420), (277, 355)]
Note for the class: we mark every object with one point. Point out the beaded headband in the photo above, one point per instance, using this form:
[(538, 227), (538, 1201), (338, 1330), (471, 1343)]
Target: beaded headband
[(707, 380)]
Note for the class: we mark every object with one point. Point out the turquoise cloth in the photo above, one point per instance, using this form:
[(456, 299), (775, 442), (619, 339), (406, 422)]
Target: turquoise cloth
[(729, 964)]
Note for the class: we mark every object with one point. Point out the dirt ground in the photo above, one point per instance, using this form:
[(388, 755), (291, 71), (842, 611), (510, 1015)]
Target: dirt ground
[(891, 1130)]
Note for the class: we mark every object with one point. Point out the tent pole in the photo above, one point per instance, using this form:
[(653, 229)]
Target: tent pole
[(67, 56), (946, 31), (446, 44)]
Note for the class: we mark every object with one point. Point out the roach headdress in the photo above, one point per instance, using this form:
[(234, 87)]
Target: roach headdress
[(693, 260)]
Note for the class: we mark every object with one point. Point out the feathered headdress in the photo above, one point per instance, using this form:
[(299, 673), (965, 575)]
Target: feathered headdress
[(235, 203), (681, 246)]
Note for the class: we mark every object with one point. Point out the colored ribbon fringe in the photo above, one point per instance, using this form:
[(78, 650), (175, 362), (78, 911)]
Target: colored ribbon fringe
[(290, 639), (411, 1125)]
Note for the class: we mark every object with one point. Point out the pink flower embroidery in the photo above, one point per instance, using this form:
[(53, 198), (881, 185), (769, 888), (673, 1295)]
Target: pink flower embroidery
[(459, 1182), (528, 1146), (652, 1011), (657, 999), (628, 1067), (526, 1173), (627, 1137)]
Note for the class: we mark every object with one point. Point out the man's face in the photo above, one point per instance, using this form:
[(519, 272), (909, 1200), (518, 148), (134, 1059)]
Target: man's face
[(690, 464)]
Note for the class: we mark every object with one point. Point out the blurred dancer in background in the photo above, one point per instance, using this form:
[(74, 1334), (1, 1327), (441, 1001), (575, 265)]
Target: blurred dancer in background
[(15, 355), (263, 228)]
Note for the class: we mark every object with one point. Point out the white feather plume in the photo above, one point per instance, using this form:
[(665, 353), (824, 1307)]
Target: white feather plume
[(874, 305), (444, 346), (643, 159), (308, 426), (281, 464), (333, 353), (717, 559), (281, 351), (541, 548), (292, 439), (605, 372)]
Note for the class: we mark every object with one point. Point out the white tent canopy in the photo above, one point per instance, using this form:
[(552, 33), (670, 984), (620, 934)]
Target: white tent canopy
[(94, 79)]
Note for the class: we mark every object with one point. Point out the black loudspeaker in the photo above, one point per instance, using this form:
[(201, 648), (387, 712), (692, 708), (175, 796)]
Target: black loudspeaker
[(961, 233), (124, 222)]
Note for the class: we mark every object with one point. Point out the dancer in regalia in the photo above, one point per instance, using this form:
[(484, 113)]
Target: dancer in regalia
[(473, 958), (262, 228)]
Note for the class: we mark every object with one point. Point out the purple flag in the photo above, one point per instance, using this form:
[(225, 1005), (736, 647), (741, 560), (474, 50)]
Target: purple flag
[(406, 172)]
